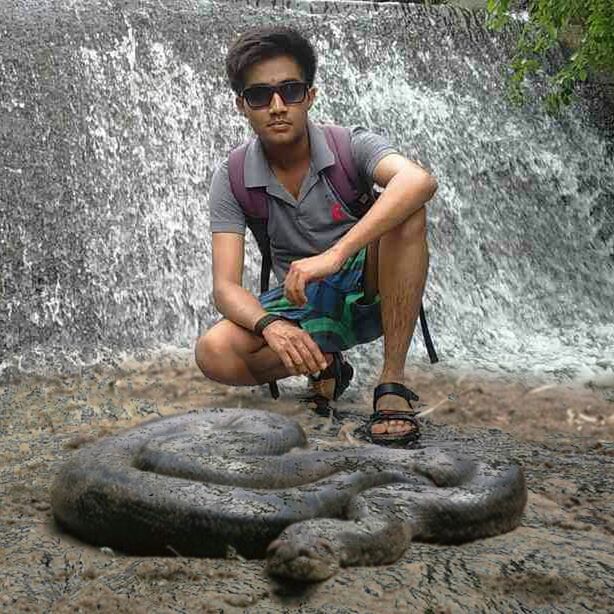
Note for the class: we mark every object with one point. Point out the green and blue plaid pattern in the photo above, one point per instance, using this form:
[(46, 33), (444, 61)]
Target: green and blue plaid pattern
[(335, 315)]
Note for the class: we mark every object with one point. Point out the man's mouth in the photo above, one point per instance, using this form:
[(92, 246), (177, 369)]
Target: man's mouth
[(274, 124)]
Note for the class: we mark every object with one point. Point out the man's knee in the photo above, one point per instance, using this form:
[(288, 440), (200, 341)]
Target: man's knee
[(214, 353), (222, 351), (208, 348)]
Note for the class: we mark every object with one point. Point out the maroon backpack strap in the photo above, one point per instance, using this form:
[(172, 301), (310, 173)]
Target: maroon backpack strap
[(343, 175), (344, 178), (255, 206), (252, 201)]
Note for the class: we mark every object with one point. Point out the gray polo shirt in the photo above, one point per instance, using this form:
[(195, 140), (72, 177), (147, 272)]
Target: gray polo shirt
[(303, 226)]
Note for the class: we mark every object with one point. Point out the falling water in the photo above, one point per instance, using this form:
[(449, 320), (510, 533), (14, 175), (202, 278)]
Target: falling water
[(114, 115)]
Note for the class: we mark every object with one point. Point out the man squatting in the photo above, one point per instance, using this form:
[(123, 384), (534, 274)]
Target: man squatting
[(271, 71)]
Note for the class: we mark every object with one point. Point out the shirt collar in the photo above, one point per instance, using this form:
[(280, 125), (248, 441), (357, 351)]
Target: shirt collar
[(257, 172)]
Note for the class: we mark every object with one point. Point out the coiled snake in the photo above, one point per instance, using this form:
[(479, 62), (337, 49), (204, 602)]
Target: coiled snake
[(201, 483)]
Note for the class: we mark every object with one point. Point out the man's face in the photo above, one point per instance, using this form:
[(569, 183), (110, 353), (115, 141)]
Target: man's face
[(278, 123)]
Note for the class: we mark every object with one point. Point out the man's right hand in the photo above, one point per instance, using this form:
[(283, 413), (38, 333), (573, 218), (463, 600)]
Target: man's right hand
[(297, 350)]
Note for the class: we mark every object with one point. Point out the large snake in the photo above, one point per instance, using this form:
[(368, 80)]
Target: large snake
[(207, 482)]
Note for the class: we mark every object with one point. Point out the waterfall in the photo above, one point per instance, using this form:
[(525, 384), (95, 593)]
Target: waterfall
[(114, 115)]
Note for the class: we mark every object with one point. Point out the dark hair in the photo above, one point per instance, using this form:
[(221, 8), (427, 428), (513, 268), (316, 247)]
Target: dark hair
[(264, 43)]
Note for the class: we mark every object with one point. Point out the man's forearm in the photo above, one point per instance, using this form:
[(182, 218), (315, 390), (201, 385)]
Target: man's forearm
[(401, 198), (238, 305)]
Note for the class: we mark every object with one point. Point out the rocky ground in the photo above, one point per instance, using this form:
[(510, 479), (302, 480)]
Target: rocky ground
[(560, 559)]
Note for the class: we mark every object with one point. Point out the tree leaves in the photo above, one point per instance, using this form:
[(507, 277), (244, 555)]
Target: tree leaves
[(550, 23)]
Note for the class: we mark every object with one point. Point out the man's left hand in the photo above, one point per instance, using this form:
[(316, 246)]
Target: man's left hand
[(306, 270)]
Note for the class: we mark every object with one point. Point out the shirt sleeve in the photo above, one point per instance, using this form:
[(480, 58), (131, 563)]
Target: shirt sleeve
[(368, 149), (225, 212)]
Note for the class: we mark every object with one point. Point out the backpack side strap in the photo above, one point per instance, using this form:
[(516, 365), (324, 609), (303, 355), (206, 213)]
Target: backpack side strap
[(255, 206), (252, 201), (345, 180), (426, 335), (343, 174)]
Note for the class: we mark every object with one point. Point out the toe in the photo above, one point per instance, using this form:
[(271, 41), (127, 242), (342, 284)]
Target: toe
[(400, 427), (379, 428)]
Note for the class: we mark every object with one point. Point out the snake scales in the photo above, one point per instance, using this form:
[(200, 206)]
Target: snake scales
[(201, 483)]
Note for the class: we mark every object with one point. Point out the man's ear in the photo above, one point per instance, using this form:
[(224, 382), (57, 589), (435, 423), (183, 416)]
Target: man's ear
[(240, 104), (311, 96)]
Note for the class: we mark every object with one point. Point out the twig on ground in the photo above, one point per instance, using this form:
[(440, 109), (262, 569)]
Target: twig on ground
[(179, 556), (542, 388), (345, 434), (587, 418), (430, 410)]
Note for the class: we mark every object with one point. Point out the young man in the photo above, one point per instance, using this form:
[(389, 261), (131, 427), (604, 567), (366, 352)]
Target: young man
[(376, 265)]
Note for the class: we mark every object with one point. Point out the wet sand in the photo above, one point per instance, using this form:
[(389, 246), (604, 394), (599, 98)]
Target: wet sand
[(561, 559)]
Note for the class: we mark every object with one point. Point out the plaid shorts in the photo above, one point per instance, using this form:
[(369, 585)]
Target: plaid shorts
[(335, 316)]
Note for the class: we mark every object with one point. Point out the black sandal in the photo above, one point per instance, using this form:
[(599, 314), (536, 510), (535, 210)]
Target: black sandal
[(388, 439), (342, 372)]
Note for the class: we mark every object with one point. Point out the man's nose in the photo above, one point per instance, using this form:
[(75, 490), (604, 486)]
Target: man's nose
[(277, 103)]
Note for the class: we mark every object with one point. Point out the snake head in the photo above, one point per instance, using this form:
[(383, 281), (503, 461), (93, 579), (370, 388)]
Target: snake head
[(302, 558)]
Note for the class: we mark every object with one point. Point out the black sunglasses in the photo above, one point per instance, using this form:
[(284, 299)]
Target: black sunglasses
[(260, 96)]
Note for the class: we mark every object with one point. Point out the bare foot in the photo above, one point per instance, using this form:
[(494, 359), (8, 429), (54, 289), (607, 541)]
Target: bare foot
[(392, 402), (324, 387)]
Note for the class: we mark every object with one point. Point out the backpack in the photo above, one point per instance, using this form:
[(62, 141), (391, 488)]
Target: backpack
[(343, 178)]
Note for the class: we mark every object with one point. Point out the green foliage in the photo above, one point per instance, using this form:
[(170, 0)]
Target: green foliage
[(587, 26)]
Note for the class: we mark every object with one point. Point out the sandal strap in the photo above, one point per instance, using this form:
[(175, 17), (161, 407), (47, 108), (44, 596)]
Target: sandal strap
[(340, 370), (394, 438), (332, 371), (381, 416), (395, 388)]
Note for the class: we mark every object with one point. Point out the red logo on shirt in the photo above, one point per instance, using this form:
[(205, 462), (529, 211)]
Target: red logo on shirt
[(337, 213)]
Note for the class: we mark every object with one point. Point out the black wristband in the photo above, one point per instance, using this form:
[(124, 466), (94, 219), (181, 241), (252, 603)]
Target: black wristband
[(264, 321)]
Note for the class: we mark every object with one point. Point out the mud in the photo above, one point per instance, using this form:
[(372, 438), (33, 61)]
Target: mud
[(560, 559)]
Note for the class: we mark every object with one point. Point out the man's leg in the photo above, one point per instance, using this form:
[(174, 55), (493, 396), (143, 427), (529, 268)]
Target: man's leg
[(397, 269), (229, 354)]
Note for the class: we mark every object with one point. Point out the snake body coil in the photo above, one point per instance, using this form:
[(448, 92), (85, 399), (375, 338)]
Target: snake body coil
[(198, 484)]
